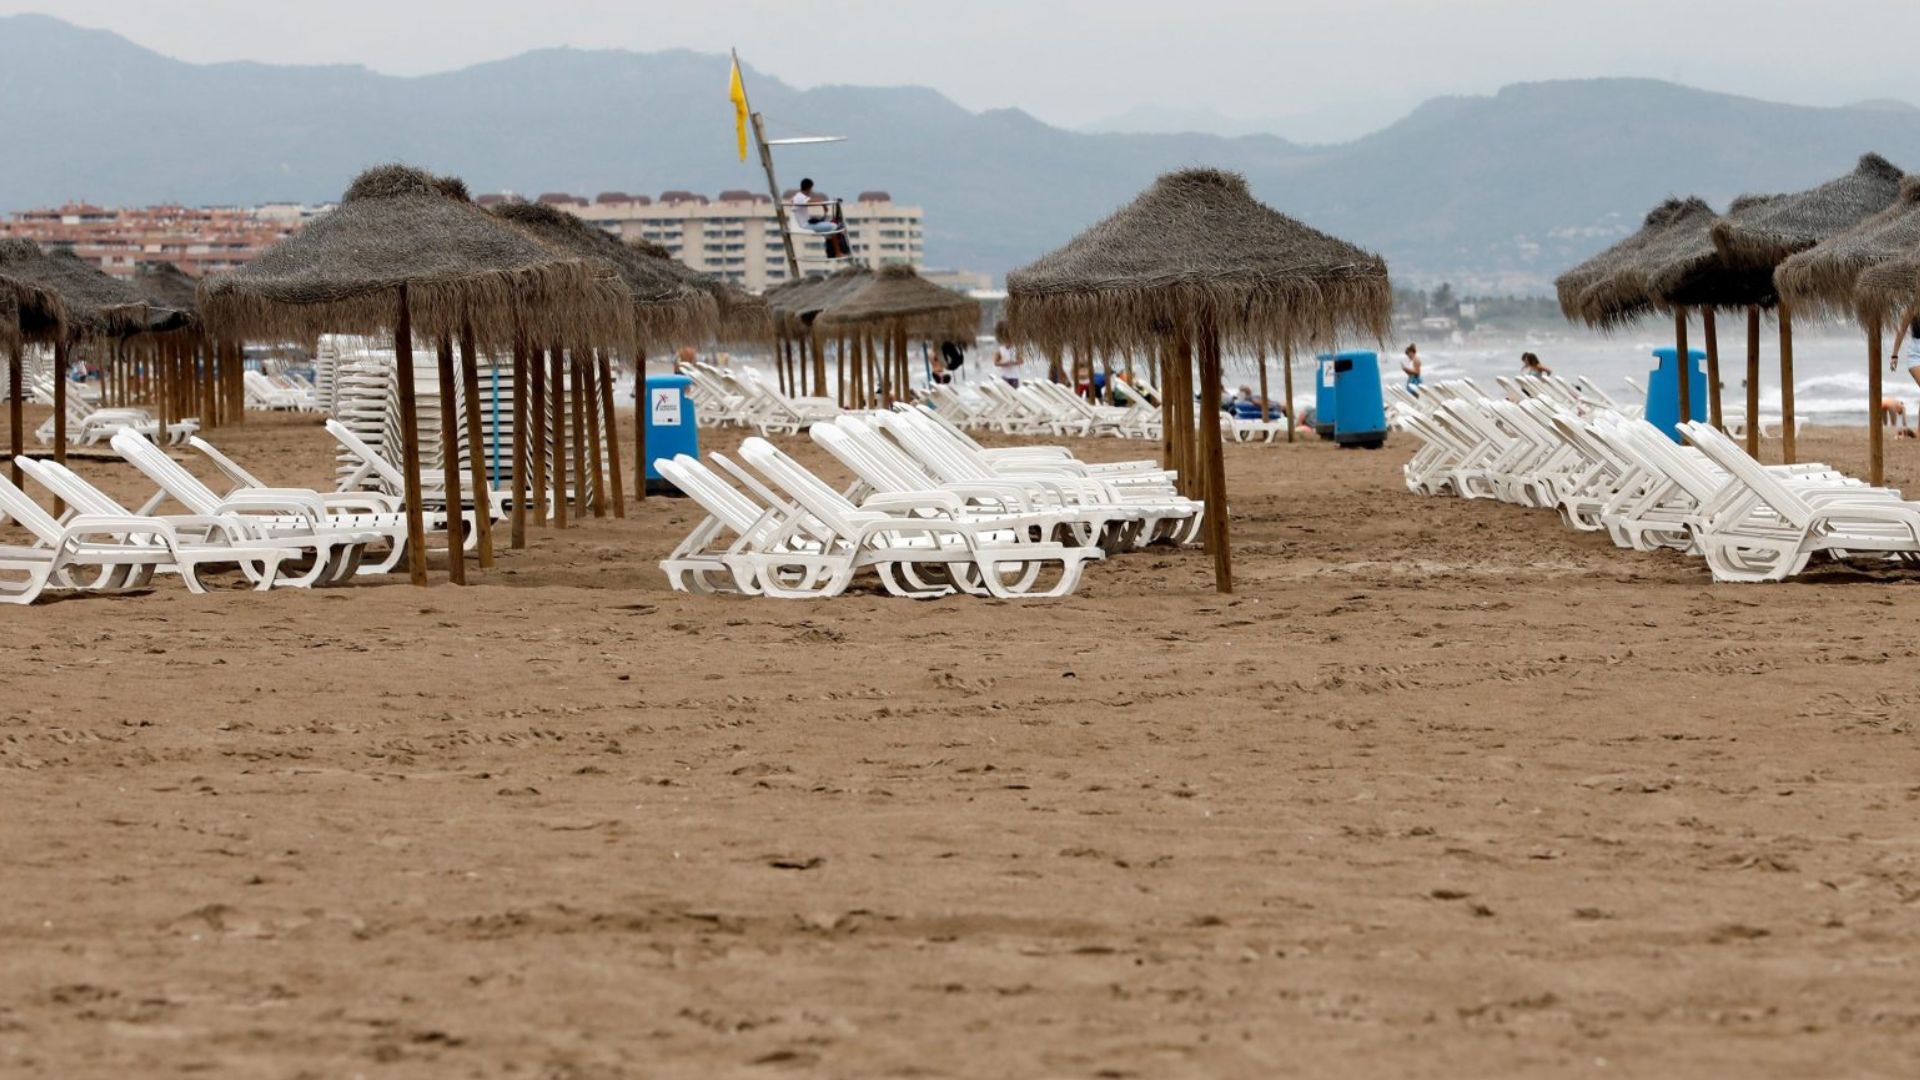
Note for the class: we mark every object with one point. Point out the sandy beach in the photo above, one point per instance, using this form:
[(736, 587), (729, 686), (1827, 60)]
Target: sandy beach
[(1445, 790)]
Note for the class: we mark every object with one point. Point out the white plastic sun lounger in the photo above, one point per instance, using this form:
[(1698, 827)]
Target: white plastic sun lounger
[(912, 539), (197, 541), (90, 553), (285, 513)]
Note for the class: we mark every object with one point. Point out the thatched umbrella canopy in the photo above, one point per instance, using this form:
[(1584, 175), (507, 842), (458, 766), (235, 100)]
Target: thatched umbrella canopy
[(167, 286), (95, 303), (1573, 285), (1681, 268), (461, 268), (29, 312), (797, 304), (1794, 223), (1890, 291), (742, 316), (1824, 279), (1198, 250), (902, 301), (1603, 291), (666, 310)]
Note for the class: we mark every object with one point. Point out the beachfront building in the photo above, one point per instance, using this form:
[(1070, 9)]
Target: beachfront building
[(199, 240), (735, 236)]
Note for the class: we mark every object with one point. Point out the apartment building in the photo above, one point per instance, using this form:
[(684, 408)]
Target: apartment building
[(199, 240), (736, 236)]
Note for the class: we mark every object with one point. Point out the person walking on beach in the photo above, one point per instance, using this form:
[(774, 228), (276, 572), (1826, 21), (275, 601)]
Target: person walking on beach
[(1006, 358), (1411, 366), (1531, 365), (1912, 356)]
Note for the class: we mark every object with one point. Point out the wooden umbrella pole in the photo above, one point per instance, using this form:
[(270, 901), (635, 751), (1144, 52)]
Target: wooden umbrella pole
[(1712, 335), (1286, 355), (478, 459), (163, 402), (596, 448), (904, 392), (537, 431), (575, 398), (1876, 427), (517, 530), (410, 441), (1753, 380), (556, 375), (1266, 410), (16, 418), (557, 448), (782, 360), (641, 404), (61, 355), (1168, 460), (613, 435), (840, 369), (819, 365), (450, 464), (1216, 506), (1789, 450), (1685, 364)]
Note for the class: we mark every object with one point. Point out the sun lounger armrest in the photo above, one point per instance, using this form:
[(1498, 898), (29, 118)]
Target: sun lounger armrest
[(85, 525), (271, 500), (944, 501)]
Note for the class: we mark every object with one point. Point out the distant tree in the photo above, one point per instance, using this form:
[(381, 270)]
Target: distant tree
[(1442, 302)]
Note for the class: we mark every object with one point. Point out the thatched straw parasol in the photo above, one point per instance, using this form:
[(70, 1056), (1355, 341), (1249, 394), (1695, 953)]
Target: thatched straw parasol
[(29, 311), (742, 316), (1794, 223), (1197, 249), (1824, 279), (409, 251), (1582, 301), (399, 226), (1196, 262), (666, 310), (900, 300), (167, 286), (96, 304), (1889, 293), (1605, 291)]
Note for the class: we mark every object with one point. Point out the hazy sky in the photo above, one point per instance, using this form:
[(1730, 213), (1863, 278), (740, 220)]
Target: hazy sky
[(1320, 67)]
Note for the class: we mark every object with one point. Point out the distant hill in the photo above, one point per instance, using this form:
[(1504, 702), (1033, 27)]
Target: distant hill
[(1489, 192)]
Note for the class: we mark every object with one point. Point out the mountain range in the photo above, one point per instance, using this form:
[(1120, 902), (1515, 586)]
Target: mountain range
[(1493, 193)]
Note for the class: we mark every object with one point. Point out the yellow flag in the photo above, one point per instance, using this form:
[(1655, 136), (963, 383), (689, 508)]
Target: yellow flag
[(737, 92)]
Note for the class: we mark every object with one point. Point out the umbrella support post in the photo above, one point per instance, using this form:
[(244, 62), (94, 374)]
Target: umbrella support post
[(517, 535), (1876, 424), (450, 463), (409, 441), (476, 464), (1789, 451), (556, 374), (613, 436), (1216, 465), (1753, 381), (1711, 334)]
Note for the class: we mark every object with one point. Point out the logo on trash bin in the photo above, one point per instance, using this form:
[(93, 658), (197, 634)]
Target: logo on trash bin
[(665, 406)]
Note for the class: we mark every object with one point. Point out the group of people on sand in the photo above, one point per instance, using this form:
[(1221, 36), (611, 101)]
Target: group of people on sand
[(1530, 366)]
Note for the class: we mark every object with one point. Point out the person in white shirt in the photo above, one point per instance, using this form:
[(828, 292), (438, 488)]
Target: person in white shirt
[(1006, 359), (810, 210)]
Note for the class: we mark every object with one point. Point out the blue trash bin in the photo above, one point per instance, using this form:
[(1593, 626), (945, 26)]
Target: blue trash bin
[(1324, 405), (669, 426), (1663, 390), (1361, 417)]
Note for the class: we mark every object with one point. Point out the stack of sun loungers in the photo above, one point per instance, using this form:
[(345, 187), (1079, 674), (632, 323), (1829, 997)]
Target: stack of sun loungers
[(931, 514), (1550, 444), (1044, 408)]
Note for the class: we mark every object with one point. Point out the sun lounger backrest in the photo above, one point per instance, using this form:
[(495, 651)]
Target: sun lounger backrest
[(808, 490), (714, 495), (224, 463), (1732, 458), (26, 513), (850, 447), (70, 486), (359, 448), (166, 472)]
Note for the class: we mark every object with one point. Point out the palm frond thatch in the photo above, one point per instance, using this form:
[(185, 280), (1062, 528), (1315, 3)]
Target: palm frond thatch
[(1889, 292), (899, 299), (743, 318), (29, 312), (168, 287), (1197, 249), (92, 303), (1794, 223), (667, 312), (462, 268), (1601, 292), (798, 304), (1823, 279)]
